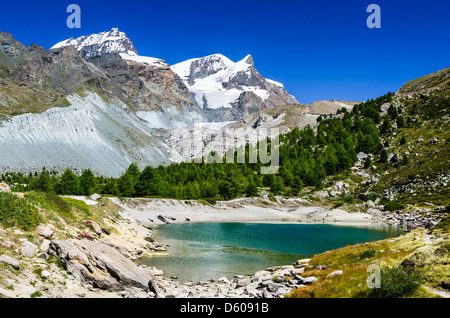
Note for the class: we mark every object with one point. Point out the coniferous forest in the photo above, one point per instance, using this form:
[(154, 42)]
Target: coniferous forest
[(306, 158)]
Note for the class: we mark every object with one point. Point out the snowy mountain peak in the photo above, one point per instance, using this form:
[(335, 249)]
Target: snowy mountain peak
[(109, 42), (249, 60), (218, 82)]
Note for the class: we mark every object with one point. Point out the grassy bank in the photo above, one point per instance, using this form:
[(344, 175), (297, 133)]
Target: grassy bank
[(409, 264)]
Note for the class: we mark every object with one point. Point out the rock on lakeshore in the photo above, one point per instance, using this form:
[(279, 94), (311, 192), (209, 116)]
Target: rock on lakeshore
[(99, 265)]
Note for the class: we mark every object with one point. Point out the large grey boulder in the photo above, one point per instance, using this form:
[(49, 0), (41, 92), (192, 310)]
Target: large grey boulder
[(28, 249), (45, 231), (273, 287), (99, 265), (94, 226), (10, 260)]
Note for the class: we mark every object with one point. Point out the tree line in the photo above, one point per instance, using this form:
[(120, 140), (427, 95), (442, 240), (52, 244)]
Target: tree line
[(306, 158)]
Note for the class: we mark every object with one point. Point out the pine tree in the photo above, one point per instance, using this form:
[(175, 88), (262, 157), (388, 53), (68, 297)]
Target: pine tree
[(386, 127), (383, 156), (69, 184), (126, 184), (403, 140), (367, 163), (277, 185), (87, 182)]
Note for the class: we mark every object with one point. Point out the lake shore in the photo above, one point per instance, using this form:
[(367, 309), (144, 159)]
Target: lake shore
[(130, 236), (151, 212)]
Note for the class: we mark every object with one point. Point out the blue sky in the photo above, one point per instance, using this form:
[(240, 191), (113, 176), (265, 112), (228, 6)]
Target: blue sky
[(320, 50)]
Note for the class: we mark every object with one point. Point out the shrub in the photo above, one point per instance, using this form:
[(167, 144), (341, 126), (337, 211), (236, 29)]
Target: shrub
[(211, 201), (338, 204), (15, 211), (370, 252), (393, 205), (367, 163), (348, 198), (273, 199), (372, 196), (403, 140), (36, 294), (398, 282)]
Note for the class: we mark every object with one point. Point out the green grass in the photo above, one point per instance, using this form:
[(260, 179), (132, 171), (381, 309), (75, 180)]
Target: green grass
[(15, 211), (71, 210), (36, 294), (273, 199), (401, 277), (51, 202)]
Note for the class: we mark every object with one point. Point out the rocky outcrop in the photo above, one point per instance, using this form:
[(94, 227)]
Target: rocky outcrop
[(437, 181), (4, 187), (99, 265)]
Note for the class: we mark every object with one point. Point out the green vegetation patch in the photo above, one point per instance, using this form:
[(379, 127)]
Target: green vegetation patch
[(15, 211), (397, 281)]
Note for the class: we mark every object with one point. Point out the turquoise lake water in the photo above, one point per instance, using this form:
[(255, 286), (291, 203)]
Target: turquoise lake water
[(205, 251)]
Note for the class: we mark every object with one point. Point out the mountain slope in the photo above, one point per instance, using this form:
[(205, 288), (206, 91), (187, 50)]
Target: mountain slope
[(90, 133)]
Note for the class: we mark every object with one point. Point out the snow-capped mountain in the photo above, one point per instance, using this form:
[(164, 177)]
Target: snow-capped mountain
[(218, 82), (215, 81), (93, 102), (110, 42)]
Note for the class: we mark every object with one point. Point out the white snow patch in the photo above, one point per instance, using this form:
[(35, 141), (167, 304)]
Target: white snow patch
[(274, 83), (143, 59)]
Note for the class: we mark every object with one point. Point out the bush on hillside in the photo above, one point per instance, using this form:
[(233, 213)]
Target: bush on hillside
[(370, 252), (393, 205), (398, 282)]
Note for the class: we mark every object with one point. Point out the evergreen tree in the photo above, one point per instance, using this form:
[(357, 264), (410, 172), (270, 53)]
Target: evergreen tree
[(403, 140), (110, 187), (252, 189), (367, 162), (87, 182), (386, 127), (68, 184), (383, 156), (125, 185), (277, 185), (400, 122)]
